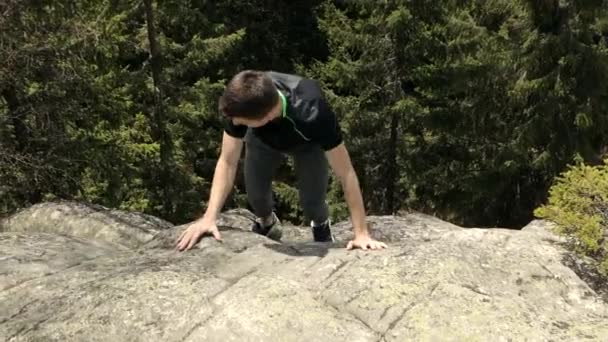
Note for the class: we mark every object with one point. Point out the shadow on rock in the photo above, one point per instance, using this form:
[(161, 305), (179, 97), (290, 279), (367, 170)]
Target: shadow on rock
[(318, 249)]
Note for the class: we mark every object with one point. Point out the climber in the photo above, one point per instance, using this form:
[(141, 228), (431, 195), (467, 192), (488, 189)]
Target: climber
[(278, 115)]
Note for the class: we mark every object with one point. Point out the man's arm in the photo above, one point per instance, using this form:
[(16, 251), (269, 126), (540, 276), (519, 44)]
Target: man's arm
[(223, 179), (342, 166)]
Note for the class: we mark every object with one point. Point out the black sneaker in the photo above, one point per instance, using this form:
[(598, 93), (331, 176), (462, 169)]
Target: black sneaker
[(322, 232), (273, 232)]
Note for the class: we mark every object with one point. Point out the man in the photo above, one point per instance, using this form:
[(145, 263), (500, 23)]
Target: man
[(278, 114)]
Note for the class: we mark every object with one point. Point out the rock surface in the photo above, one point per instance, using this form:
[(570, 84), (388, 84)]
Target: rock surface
[(70, 272)]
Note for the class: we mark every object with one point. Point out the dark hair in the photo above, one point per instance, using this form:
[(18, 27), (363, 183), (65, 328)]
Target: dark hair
[(249, 94)]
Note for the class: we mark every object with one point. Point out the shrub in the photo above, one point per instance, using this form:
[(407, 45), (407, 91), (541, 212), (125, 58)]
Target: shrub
[(578, 204)]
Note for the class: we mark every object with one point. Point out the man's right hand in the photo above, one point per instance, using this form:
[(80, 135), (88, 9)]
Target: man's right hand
[(195, 231)]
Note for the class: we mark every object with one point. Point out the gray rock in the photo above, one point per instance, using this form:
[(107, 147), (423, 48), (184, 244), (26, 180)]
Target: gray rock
[(125, 230), (436, 282)]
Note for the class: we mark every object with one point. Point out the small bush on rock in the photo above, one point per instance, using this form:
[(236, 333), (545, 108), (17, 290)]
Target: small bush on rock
[(578, 204)]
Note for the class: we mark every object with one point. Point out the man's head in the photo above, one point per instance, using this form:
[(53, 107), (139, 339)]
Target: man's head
[(250, 99)]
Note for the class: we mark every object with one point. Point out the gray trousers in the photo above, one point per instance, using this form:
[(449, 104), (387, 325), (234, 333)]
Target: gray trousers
[(311, 166)]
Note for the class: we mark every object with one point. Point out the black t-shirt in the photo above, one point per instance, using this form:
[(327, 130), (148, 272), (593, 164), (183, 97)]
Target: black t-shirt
[(307, 120)]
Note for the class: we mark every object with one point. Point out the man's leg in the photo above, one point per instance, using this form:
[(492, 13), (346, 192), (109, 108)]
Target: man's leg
[(261, 161), (312, 172)]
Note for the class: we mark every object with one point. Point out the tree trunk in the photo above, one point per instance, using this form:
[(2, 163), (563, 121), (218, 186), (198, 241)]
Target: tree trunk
[(392, 164), (17, 119), (393, 94), (159, 123)]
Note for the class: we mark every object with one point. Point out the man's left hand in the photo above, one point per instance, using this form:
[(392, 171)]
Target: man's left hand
[(365, 243)]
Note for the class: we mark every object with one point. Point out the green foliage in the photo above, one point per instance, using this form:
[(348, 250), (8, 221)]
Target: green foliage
[(421, 89), (79, 104), (482, 106), (80, 116), (462, 109), (578, 204), (288, 201), (338, 209)]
